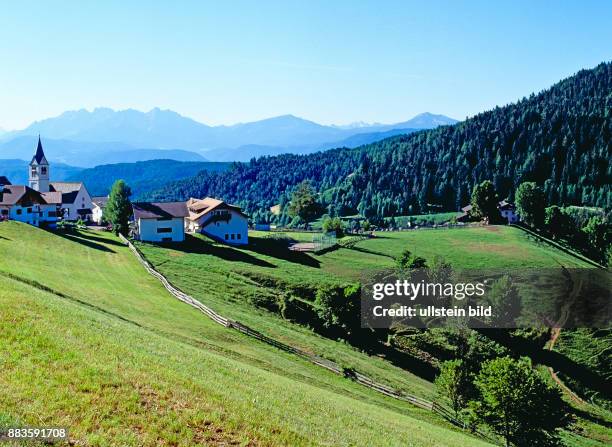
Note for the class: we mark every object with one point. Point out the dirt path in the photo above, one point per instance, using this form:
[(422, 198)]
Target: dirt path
[(554, 335)]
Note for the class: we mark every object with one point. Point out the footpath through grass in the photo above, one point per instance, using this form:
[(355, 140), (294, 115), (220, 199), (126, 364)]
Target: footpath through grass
[(106, 351)]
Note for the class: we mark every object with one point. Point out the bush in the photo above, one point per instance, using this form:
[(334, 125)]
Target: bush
[(338, 307), (294, 309), (333, 224), (407, 261)]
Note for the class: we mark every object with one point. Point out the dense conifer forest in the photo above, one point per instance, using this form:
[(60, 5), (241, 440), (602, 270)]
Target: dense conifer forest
[(560, 138)]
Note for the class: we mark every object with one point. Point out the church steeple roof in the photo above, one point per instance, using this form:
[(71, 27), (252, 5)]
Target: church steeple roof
[(39, 156)]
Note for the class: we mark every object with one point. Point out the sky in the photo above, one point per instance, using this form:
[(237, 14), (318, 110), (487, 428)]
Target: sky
[(331, 62)]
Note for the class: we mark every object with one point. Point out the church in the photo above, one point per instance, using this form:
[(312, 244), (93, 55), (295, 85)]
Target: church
[(43, 202)]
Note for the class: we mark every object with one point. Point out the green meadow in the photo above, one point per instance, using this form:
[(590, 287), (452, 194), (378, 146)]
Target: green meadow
[(90, 341)]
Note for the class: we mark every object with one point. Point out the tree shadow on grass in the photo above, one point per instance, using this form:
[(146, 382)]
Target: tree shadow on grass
[(279, 249), (84, 240), (365, 341), (370, 252), (592, 417), (197, 245), (88, 234)]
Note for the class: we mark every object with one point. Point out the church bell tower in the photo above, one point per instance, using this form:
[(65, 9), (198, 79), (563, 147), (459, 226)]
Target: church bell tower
[(39, 170)]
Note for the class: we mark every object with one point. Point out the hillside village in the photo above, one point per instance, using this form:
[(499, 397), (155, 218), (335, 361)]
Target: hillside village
[(44, 203)]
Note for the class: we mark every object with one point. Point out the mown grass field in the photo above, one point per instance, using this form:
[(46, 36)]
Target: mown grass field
[(90, 341), (423, 219)]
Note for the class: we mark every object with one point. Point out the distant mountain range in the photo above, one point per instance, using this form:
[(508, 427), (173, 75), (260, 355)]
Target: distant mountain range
[(88, 154), (249, 151), (86, 138)]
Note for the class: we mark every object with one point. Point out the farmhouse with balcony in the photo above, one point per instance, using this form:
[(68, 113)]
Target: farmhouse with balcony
[(217, 220)]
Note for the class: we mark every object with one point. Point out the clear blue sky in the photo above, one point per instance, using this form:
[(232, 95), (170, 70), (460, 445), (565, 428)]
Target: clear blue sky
[(328, 61)]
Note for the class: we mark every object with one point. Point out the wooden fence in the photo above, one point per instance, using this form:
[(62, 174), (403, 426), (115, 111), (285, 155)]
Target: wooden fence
[(315, 359)]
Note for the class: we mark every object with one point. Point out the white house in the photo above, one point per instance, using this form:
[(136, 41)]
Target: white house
[(97, 209), (159, 222), (508, 211), (23, 204), (76, 201), (217, 220)]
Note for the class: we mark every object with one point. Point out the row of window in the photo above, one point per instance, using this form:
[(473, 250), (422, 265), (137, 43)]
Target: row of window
[(19, 212), (232, 236)]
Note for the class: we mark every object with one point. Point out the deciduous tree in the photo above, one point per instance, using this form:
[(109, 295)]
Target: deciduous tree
[(484, 202), (530, 203), (118, 208)]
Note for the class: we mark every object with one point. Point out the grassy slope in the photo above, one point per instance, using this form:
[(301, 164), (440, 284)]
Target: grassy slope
[(471, 247), (222, 277), (198, 265), (121, 362)]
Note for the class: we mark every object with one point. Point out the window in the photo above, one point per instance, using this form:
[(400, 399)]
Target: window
[(29, 211), (52, 214), (226, 236), (238, 236), (4, 212), (233, 236), (34, 171), (164, 230), (43, 170), (18, 212)]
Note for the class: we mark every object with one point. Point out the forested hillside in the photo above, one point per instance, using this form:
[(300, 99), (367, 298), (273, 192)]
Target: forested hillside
[(142, 176), (560, 138)]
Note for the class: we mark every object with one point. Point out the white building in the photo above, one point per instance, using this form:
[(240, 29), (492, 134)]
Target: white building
[(508, 212), (76, 201), (23, 204), (159, 222), (218, 220), (39, 170), (43, 202), (97, 209)]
